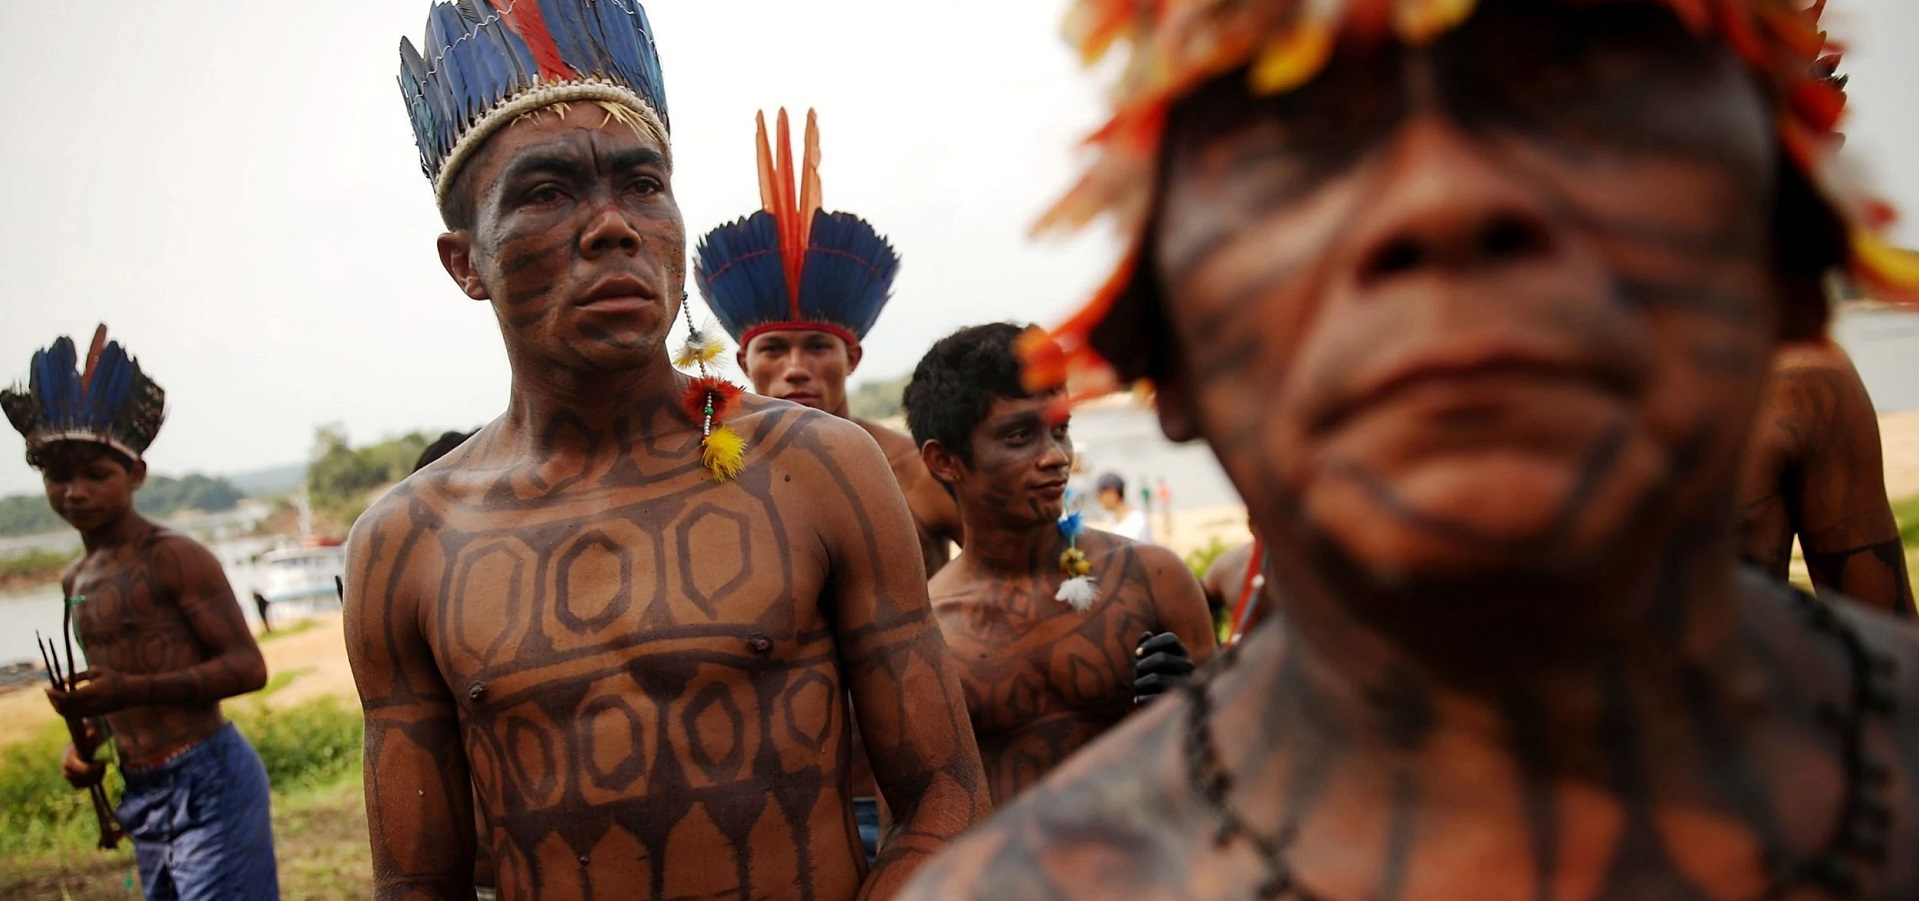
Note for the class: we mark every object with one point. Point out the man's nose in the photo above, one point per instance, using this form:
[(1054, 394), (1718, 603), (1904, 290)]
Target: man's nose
[(1447, 207)]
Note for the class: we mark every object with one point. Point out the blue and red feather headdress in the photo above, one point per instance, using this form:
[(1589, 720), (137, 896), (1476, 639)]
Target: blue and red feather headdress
[(110, 402), (792, 265), (487, 62)]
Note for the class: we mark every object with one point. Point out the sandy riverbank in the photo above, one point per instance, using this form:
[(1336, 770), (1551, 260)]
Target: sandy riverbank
[(303, 665)]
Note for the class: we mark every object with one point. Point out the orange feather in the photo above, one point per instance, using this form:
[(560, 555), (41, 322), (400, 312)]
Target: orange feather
[(789, 216), (769, 194), (811, 196)]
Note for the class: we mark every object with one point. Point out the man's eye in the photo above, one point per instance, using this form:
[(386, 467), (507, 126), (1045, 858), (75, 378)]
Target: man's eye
[(546, 194), (648, 186)]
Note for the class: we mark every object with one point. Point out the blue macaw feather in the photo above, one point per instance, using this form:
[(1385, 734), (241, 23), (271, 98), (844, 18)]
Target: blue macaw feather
[(646, 58), (1071, 525), (739, 272), (472, 60), (510, 62), (563, 23), (60, 392), (413, 91), (113, 379), (849, 272)]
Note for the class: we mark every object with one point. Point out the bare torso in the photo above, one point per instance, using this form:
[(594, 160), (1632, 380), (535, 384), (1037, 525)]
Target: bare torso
[(1124, 819), (1041, 679), (648, 683), (132, 621)]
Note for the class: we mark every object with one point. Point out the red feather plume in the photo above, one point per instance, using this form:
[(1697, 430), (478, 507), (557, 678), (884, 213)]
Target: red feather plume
[(724, 394), (526, 20), (93, 356)]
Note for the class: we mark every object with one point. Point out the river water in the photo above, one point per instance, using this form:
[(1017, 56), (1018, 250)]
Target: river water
[(1884, 345)]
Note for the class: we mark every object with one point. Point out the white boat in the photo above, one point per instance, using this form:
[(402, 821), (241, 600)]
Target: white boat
[(306, 572)]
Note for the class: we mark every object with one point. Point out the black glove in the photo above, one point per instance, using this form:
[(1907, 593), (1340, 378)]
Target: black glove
[(1160, 662)]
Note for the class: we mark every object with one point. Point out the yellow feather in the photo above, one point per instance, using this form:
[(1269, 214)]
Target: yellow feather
[(1293, 58), (725, 453), (691, 354)]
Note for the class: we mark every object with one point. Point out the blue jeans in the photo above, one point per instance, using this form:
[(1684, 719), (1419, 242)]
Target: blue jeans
[(866, 812), (200, 824)]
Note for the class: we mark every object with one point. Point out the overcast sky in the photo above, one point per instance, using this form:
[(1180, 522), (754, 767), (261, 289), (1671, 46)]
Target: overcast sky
[(233, 187)]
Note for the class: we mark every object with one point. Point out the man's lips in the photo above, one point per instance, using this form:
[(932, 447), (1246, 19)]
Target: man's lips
[(619, 293), (1053, 489), (1485, 364)]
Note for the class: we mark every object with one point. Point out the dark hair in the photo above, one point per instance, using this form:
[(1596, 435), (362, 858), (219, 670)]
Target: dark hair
[(457, 205), (74, 454), (440, 447), (954, 385)]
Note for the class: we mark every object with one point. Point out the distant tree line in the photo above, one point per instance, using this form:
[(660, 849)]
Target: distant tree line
[(879, 400), (340, 476), (161, 497)]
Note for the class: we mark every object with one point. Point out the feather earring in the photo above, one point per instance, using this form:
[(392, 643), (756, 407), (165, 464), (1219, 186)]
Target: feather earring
[(709, 400), (1078, 591)]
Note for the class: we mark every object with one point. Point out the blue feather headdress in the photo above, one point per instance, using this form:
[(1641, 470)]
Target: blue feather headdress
[(110, 402), (488, 62), (792, 265)]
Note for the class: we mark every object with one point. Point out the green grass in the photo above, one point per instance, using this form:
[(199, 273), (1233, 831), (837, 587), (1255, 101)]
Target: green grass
[(312, 758), (1907, 513), (1201, 559), (34, 565), (288, 631)]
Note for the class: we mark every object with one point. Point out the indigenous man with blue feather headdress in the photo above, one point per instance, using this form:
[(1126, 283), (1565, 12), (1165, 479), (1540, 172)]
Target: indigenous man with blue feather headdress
[(163, 638), (798, 288), (1476, 301), (626, 618)]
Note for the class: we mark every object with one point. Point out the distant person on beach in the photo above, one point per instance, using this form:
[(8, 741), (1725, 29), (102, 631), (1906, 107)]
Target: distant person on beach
[(1128, 521), (1476, 304), (1045, 671), (800, 343), (628, 614), (164, 639), (261, 604), (1816, 473)]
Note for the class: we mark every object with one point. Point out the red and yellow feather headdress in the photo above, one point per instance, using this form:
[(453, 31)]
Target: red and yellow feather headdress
[(1178, 45)]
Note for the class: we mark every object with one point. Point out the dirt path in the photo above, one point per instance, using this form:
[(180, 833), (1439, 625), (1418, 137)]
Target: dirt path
[(314, 659)]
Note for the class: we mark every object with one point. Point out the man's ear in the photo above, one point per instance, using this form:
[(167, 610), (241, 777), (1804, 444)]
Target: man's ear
[(1173, 402), (137, 475), (739, 356), (941, 462), (456, 254), (854, 352)]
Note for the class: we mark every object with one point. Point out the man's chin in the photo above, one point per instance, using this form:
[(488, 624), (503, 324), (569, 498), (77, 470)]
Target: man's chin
[(1464, 521)]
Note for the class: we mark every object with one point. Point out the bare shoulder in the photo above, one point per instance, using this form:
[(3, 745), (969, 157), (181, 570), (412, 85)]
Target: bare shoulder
[(1114, 553), (896, 445), (1112, 822), (176, 556), (804, 443)]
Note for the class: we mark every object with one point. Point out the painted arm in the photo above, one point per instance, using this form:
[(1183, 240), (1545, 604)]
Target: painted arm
[(419, 799), (911, 712), (1837, 495), (190, 575)]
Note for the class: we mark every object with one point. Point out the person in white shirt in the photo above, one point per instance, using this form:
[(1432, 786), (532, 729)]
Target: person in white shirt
[(1129, 522)]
